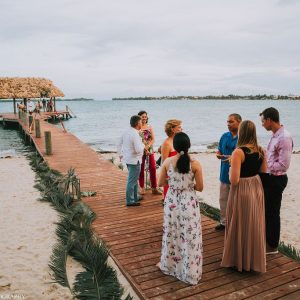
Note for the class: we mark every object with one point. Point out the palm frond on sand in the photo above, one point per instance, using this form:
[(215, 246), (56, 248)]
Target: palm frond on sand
[(58, 263)]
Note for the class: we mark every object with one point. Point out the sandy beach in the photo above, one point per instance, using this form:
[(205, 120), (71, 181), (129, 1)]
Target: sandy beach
[(26, 234)]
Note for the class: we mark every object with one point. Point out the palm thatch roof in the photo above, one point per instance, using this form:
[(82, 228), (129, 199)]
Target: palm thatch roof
[(27, 87)]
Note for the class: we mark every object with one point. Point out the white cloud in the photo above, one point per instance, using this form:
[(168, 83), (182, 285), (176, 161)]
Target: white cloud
[(120, 48)]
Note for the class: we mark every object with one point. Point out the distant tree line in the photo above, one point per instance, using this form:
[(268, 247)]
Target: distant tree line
[(213, 97)]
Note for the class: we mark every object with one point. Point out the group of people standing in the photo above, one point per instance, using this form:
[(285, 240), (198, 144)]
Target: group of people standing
[(136, 148), (252, 182)]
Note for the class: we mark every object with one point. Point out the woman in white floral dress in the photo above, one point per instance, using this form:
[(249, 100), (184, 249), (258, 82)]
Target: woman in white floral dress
[(181, 254)]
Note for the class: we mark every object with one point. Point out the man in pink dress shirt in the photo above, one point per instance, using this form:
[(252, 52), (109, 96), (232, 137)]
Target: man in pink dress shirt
[(279, 153)]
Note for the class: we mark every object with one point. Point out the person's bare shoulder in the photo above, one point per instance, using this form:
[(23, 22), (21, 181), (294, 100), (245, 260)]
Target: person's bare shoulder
[(167, 162), (238, 152), (195, 164), (166, 143)]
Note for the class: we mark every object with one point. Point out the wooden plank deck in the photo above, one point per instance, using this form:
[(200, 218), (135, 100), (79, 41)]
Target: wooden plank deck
[(133, 234)]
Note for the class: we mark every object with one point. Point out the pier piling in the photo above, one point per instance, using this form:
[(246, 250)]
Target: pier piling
[(48, 143)]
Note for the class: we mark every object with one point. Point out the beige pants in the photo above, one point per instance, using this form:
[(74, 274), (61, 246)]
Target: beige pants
[(224, 193)]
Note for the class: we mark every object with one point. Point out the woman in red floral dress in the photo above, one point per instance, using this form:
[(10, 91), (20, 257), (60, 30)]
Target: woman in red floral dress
[(147, 135)]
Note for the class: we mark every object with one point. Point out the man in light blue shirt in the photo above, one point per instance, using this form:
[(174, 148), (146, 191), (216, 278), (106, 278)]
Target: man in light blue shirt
[(131, 149), (226, 146)]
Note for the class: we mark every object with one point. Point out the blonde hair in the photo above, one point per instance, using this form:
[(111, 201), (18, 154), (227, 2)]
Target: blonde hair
[(170, 125), (247, 137)]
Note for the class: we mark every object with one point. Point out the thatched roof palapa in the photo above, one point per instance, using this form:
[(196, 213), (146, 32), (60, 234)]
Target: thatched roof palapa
[(28, 87)]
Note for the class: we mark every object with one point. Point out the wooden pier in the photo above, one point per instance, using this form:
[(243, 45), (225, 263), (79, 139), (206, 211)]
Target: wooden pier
[(134, 234), (47, 115)]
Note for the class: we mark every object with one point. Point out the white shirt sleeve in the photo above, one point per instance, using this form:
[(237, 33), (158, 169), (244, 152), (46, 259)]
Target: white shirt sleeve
[(138, 145)]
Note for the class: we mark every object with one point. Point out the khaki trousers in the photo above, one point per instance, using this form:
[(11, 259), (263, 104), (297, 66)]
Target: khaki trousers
[(224, 193)]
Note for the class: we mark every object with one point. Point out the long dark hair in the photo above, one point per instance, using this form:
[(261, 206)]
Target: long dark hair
[(181, 144)]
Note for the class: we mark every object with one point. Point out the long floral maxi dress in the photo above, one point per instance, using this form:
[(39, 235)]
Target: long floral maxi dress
[(181, 254)]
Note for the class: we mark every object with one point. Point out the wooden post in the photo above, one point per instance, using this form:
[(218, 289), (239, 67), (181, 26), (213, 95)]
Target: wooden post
[(15, 111), (25, 118), (48, 143), (54, 103), (30, 119), (78, 190), (25, 104), (37, 128)]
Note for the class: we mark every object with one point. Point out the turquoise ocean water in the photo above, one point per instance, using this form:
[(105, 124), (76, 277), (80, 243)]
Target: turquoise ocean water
[(100, 123)]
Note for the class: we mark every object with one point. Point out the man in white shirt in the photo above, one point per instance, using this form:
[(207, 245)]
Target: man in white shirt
[(131, 149)]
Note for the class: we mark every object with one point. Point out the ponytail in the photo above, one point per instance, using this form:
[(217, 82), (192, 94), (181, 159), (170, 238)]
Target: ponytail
[(182, 143), (183, 163)]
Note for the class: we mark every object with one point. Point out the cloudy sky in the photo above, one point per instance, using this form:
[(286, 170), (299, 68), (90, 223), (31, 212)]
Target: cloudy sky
[(119, 48)]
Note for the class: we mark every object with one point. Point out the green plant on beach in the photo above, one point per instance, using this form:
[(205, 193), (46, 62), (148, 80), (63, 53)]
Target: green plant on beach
[(98, 281), (88, 194), (55, 188), (289, 251), (210, 211), (70, 184), (75, 237), (58, 265), (81, 216)]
